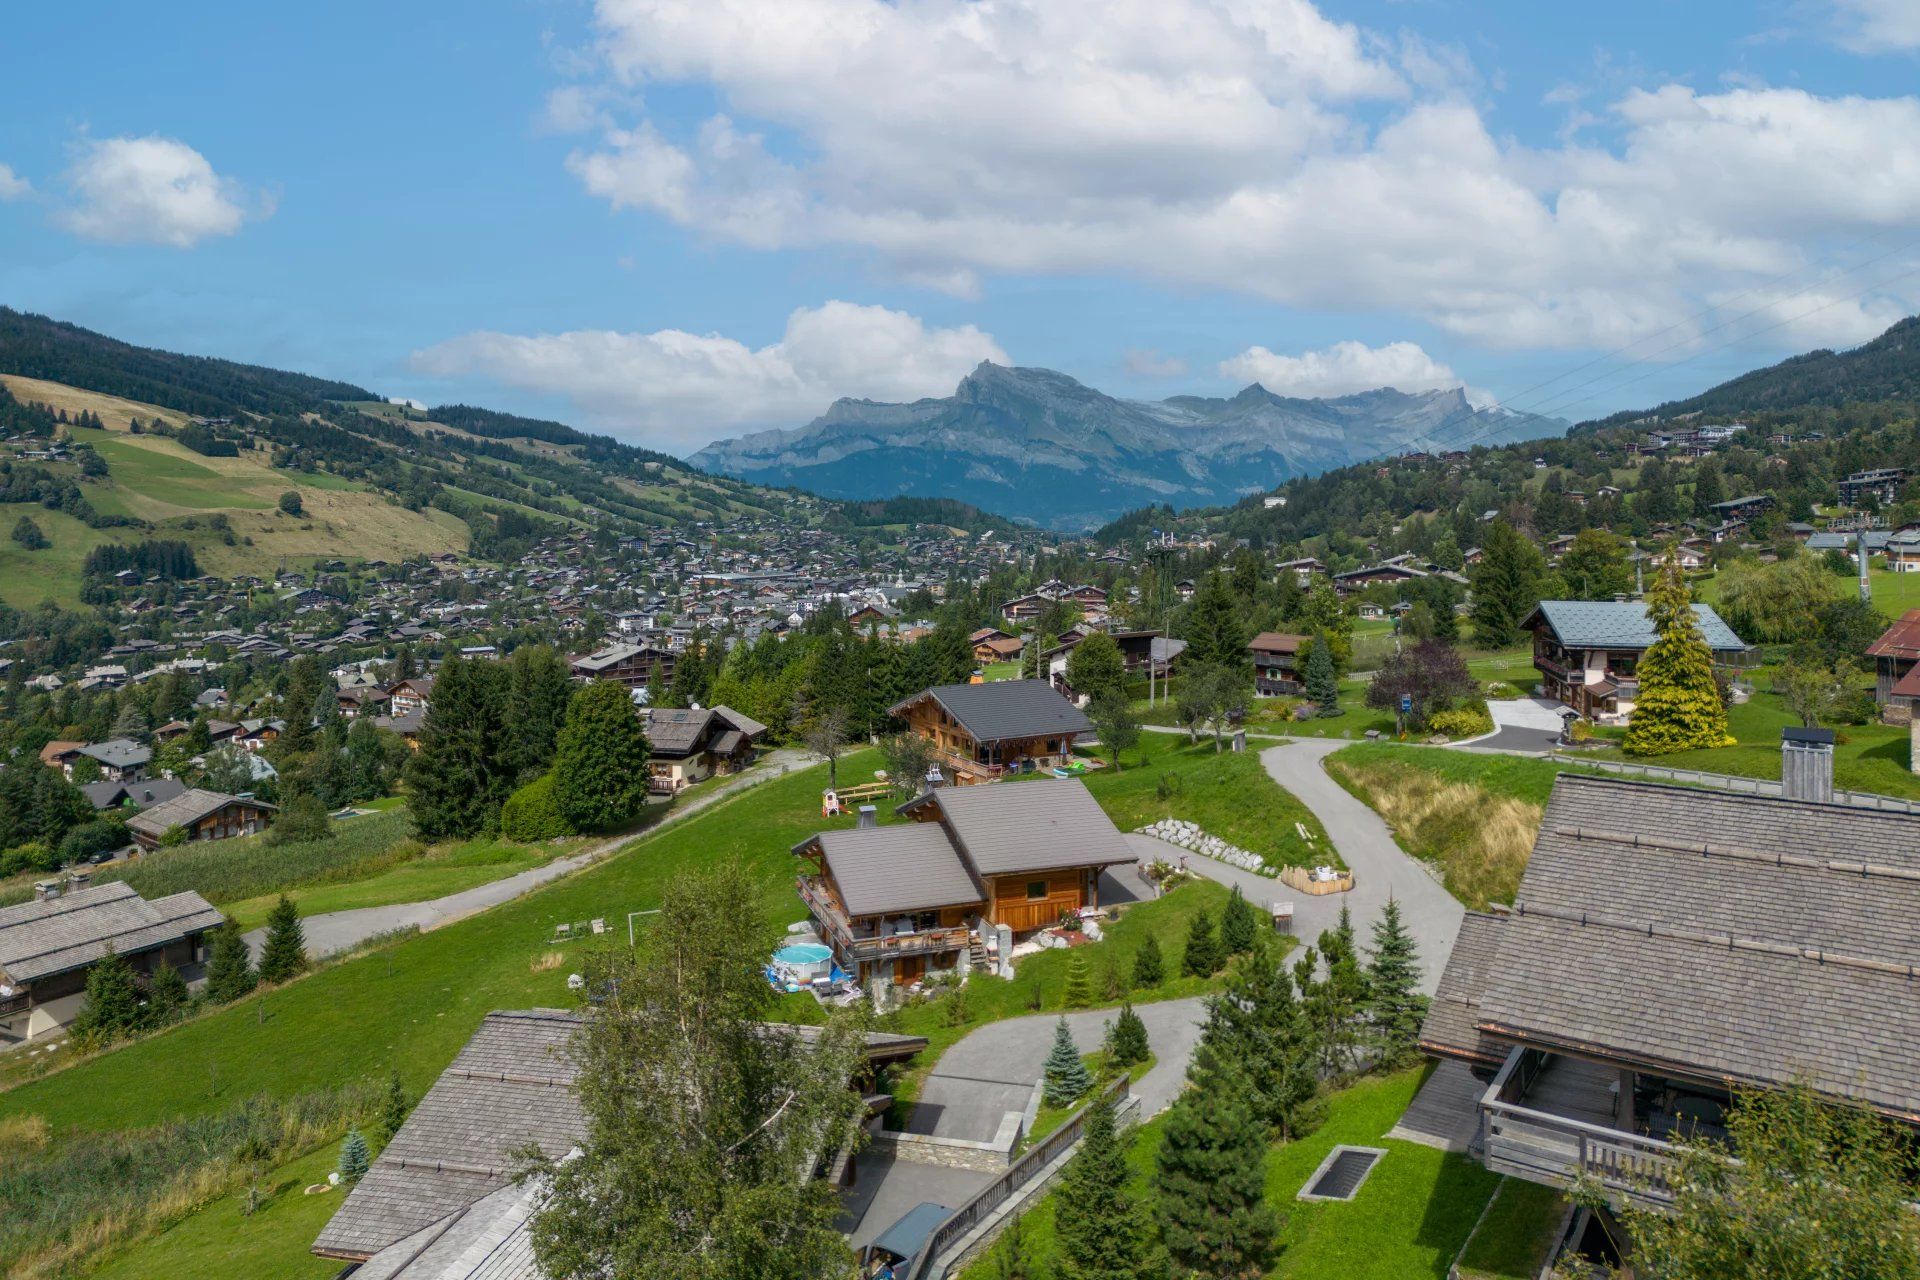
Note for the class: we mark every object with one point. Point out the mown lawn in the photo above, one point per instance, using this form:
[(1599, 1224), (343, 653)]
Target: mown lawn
[(1514, 1239), (412, 1004), (1229, 794), (1408, 1221)]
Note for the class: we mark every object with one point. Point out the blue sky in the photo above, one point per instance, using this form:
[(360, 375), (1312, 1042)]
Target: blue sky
[(681, 219)]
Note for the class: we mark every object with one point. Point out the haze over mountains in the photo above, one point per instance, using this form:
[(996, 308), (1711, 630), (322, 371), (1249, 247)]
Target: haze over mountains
[(1037, 445)]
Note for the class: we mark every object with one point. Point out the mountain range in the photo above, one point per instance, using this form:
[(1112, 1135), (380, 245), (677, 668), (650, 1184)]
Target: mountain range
[(1039, 446)]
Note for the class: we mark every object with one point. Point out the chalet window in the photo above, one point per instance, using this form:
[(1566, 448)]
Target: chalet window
[(1036, 889)]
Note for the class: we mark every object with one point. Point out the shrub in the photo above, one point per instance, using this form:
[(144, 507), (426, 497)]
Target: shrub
[(32, 856), (355, 1159), (90, 839), (533, 813), (304, 818), (1463, 722)]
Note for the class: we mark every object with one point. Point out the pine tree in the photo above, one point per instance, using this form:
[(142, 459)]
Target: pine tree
[(600, 759), (1679, 707), (112, 1005), (1202, 956), (1238, 926), (1260, 1026), (538, 689), (1096, 1220), (1506, 586), (1334, 1001), (458, 779), (1066, 1075), (1216, 634), (285, 953), (1394, 1001), (1322, 686), (167, 993), (1210, 1180), (1079, 993), (1149, 968), (131, 722), (393, 1108), (355, 1159), (229, 968), (1126, 1038)]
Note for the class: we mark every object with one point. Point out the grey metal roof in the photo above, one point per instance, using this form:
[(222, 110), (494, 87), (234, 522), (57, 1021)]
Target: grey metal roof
[(39, 939), (1876, 541), (744, 723), (118, 753), (1000, 710), (1451, 1027), (510, 1087), (1609, 624), (909, 866), (1744, 938), (1028, 826), (142, 795)]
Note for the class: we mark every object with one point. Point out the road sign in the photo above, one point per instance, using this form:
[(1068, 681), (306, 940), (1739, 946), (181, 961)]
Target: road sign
[(1406, 704)]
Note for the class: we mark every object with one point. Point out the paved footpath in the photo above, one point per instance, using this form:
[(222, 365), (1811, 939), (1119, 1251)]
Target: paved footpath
[(336, 931)]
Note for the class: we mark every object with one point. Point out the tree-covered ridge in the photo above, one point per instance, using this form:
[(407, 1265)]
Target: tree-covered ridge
[(907, 510), (1888, 368), (35, 346)]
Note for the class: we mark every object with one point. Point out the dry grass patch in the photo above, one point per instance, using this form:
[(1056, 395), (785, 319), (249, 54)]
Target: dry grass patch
[(113, 410), (1479, 840)]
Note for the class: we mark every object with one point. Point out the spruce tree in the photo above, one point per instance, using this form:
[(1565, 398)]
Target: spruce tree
[(355, 1159), (1066, 1076), (112, 1005), (1079, 993), (1210, 1180), (393, 1108), (1322, 686), (1506, 586), (1096, 1220), (285, 953), (1679, 707), (459, 777), (600, 759), (1238, 925), (1149, 967), (538, 689), (1334, 1001), (1216, 634), (1202, 956), (229, 968), (1260, 1026), (167, 993), (1126, 1038), (1394, 1001)]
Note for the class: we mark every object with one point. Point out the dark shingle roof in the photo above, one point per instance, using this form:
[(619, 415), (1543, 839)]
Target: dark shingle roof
[(1000, 710), (1028, 826), (905, 867), (1609, 624), (187, 807), (1746, 938), (1451, 1028), (41, 938)]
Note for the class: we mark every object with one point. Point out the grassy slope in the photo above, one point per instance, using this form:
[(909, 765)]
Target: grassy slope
[(1514, 1239), (53, 573), (412, 1006), (1407, 1222)]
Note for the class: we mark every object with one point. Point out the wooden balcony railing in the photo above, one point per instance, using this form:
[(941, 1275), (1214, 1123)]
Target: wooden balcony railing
[(830, 915), (1557, 1151)]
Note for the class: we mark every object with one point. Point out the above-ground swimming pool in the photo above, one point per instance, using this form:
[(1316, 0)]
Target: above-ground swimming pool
[(805, 960)]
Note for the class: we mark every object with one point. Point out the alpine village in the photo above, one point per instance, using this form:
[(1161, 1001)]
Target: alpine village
[(833, 802)]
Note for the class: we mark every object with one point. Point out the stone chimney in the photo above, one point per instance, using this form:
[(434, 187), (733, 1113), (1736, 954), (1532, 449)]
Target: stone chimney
[(1806, 764), (78, 879), (46, 890), (869, 817)]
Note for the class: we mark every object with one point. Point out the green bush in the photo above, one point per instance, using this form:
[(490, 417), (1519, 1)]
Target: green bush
[(31, 856), (102, 835), (1464, 722), (532, 813)]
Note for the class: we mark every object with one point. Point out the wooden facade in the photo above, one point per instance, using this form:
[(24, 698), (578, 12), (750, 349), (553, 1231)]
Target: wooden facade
[(971, 762), (1037, 901)]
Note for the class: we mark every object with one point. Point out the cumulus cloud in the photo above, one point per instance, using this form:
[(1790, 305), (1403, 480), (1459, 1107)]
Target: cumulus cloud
[(683, 390), (1263, 148), (1878, 26), (1341, 369), (152, 190), (12, 185), (1142, 362)]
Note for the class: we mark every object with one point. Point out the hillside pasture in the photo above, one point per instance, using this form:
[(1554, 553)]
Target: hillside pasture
[(28, 578)]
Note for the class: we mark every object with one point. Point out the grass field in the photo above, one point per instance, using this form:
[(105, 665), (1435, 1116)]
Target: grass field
[(28, 578), (1514, 1239), (1893, 593), (1407, 1222)]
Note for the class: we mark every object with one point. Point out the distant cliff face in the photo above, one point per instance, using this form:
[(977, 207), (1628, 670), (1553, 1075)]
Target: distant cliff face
[(1038, 446)]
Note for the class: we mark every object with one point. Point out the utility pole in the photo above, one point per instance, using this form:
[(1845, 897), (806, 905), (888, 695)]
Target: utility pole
[(1866, 582)]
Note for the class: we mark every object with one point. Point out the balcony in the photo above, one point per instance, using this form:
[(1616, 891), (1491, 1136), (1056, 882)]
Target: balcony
[(840, 931), (1546, 1119)]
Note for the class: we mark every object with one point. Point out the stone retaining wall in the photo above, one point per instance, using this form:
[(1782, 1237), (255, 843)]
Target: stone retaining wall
[(992, 1156), (1189, 836)]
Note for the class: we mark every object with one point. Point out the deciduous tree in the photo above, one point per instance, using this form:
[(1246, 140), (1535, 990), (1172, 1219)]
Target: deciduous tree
[(600, 760)]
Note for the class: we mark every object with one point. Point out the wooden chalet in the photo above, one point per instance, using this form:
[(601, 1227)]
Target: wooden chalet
[(1588, 651), (1896, 669), (410, 696), (1669, 947), (991, 644), (1276, 656), (203, 815), (49, 945), (686, 746), (980, 732), (896, 902), (632, 665)]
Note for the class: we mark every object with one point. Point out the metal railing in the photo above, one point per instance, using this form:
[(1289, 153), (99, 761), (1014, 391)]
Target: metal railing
[(1001, 1189), (1734, 782)]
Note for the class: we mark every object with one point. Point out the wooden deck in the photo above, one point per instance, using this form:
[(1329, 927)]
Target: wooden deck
[(1446, 1112)]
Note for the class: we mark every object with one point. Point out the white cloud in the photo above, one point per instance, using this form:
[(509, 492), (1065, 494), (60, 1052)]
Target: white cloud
[(1341, 369), (152, 191), (1878, 26), (683, 390), (12, 185), (1142, 362), (1251, 145)]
